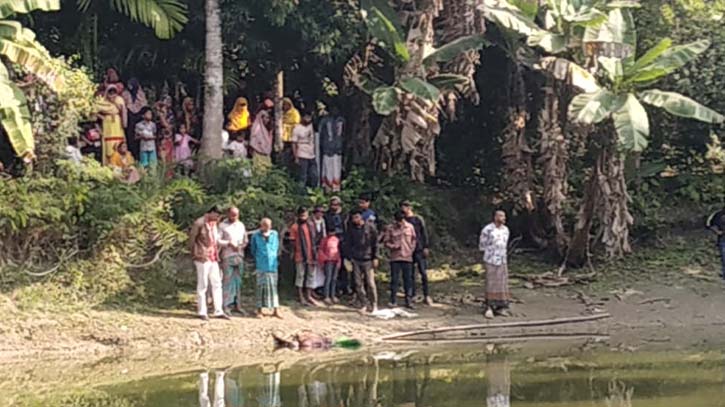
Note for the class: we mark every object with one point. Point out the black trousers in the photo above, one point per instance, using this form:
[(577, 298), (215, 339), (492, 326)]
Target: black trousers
[(420, 263), (396, 269)]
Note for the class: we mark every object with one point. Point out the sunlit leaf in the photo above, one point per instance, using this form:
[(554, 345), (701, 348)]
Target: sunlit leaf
[(166, 17), (590, 108), (9, 8), (384, 31), (509, 17), (631, 124), (650, 56), (385, 100), (15, 116), (565, 70), (549, 42), (680, 105)]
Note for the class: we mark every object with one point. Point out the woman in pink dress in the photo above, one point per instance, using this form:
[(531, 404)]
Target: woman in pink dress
[(183, 143)]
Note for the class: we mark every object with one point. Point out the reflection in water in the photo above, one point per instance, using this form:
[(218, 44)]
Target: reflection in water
[(218, 390), (453, 377), (271, 396), (498, 375), (379, 381)]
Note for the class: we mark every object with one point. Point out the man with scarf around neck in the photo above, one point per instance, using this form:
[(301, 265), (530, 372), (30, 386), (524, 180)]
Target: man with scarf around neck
[(204, 247), (303, 237)]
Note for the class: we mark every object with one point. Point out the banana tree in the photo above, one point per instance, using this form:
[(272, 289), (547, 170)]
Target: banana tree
[(405, 141), (625, 84), (18, 46), (572, 30), (426, 75)]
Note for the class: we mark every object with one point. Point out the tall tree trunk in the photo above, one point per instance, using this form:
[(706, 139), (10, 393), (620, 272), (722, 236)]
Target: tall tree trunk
[(359, 145), (613, 210), (211, 142), (605, 198), (554, 160), (278, 111), (578, 252), (516, 153)]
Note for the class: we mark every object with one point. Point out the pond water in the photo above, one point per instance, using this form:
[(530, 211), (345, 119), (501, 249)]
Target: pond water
[(470, 376)]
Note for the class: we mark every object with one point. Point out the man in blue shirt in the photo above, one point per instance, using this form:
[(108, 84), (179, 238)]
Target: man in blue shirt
[(368, 215), (265, 250)]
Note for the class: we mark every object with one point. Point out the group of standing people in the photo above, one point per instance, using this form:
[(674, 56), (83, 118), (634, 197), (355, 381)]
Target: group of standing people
[(131, 132), (327, 249)]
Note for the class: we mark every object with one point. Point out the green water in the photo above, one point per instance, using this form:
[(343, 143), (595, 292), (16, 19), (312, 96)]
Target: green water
[(462, 377)]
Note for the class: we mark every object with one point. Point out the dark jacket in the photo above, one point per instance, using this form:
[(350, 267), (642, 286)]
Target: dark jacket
[(421, 232), (337, 220), (716, 222), (361, 242)]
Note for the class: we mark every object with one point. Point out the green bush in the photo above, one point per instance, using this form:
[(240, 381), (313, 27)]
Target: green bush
[(125, 244)]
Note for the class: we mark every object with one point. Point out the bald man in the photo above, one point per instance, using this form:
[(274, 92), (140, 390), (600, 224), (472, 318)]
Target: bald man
[(233, 241)]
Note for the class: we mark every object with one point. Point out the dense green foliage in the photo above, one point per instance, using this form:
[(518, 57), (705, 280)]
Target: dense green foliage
[(81, 237)]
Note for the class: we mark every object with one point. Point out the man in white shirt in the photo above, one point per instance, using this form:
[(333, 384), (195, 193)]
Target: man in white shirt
[(303, 147), (493, 242), (232, 243)]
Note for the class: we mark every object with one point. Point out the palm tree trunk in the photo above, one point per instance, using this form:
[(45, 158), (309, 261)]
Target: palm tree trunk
[(278, 111), (211, 142)]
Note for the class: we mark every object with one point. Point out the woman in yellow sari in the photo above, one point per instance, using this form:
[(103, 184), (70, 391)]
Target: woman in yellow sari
[(112, 111), (239, 120), (290, 119), (122, 163)]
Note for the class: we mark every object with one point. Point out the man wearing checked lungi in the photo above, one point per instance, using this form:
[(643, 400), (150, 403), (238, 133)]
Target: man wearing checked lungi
[(493, 242)]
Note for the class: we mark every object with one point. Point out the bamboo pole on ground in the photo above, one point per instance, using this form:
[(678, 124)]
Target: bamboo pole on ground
[(518, 324)]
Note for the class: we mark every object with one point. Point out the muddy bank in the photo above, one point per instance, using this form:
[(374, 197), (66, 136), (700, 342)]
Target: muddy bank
[(665, 315)]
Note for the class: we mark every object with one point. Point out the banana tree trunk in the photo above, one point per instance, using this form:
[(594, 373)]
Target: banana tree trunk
[(360, 147), (516, 153), (578, 252), (554, 160), (211, 142), (605, 198), (406, 138), (613, 210)]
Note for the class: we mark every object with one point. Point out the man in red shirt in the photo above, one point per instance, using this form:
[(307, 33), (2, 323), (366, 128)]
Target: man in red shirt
[(204, 246), (303, 237)]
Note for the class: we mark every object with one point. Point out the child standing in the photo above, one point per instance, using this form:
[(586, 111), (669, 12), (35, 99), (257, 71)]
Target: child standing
[(146, 134), (183, 141), (329, 259)]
